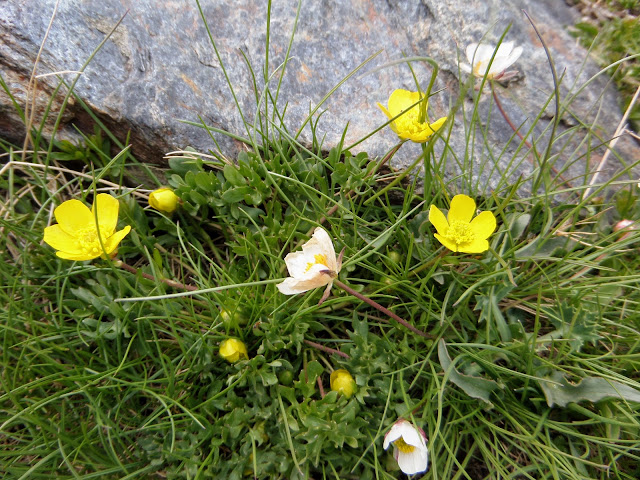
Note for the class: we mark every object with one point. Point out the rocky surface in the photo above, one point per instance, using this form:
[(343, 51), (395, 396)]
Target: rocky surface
[(159, 68)]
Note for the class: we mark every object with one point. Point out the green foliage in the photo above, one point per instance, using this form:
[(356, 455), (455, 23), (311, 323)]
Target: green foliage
[(612, 40), (528, 368)]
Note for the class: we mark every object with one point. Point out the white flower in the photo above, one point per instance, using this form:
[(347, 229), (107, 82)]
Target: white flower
[(409, 447), (479, 57), (315, 266)]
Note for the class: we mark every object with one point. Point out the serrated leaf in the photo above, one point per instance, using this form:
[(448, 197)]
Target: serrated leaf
[(577, 326), (558, 391), (475, 387)]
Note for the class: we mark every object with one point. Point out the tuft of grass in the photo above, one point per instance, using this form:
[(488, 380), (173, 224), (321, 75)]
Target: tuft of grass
[(611, 30), (115, 373)]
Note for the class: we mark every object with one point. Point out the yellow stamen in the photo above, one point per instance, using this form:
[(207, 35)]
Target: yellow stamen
[(403, 446), (89, 241), (319, 260), (459, 233)]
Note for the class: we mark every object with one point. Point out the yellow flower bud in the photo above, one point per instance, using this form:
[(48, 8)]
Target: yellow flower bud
[(164, 200), (233, 350), (342, 382)]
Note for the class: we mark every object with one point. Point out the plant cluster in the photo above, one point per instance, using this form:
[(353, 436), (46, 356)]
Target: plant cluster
[(301, 313)]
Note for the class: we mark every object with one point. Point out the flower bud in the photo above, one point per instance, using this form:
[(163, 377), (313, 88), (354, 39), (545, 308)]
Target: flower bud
[(342, 382), (233, 350), (164, 200), (623, 225)]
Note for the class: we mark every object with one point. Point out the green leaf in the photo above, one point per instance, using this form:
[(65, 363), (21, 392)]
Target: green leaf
[(475, 387), (236, 194), (558, 391), (233, 175), (575, 325)]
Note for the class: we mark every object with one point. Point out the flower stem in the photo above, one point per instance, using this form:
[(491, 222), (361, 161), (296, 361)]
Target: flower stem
[(325, 349), (520, 136), (171, 283), (382, 309)]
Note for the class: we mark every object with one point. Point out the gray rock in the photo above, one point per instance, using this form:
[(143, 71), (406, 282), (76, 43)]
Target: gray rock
[(159, 68)]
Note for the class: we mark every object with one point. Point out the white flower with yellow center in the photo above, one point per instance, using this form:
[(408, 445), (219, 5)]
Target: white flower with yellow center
[(409, 447), (479, 57), (315, 266)]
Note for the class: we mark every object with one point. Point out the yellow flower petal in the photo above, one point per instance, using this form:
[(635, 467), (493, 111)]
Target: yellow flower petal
[(233, 350), (73, 215), (438, 220), (437, 125), (462, 209), (384, 110), (76, 256), (107, 208), (483, 225), (447, 243), (164, 200), (61, 240), (389, 116), (477, 246), (342, 382), (114, 240), (400, 100)]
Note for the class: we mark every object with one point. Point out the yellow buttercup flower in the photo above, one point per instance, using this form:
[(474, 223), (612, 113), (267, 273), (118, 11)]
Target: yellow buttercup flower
[(83, 234), (457, 231), (342, 382), (164, 200), (408, 126), (233, 350)]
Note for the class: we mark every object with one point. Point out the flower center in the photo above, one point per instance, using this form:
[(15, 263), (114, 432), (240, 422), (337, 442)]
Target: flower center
[(319, 259), (459, 232), (409, 122), (89, 241), (403, 446)]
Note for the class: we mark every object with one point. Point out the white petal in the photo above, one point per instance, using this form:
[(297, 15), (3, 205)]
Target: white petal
[(414, 462), (470, 51), (504, 49), (412, 437), (515, 55), (484, 53), (321, 241), (404, 429), (498, 66), (293, 286), (393, 434), (298, 262), (465, 68), (313, 278)]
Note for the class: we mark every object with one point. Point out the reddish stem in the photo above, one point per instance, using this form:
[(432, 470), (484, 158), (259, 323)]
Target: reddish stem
[(325, 349), (382, 309), (171, 283)]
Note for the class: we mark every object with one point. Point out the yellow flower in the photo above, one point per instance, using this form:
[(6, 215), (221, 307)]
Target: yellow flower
[(164, 200), (78, 236), (233, 350), (342, 382), (458, 232), (409, 126), (315, 266), (479, 57)]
